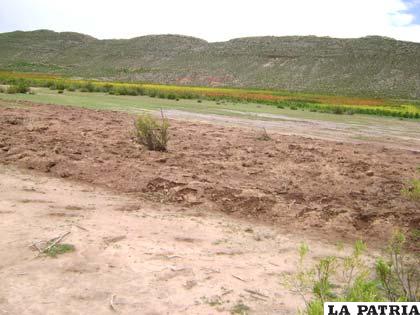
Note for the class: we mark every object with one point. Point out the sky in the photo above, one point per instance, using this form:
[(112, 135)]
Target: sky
[(216, 20)]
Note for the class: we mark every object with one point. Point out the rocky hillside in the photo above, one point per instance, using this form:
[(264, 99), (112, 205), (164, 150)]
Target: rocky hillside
[(372, 66)]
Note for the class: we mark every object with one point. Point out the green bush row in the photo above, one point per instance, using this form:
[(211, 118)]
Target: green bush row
[(347, 110), (18, 87), (293, 104)]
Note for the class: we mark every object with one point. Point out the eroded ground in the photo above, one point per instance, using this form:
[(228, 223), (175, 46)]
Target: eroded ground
[(212, 224), (147, 258), (327, 188)]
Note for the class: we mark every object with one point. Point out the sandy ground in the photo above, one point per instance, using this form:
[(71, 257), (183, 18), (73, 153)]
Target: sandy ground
[(154, 259), (212, 223)]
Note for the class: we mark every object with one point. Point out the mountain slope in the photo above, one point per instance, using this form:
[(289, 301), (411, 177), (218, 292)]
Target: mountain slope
[(373, 65)]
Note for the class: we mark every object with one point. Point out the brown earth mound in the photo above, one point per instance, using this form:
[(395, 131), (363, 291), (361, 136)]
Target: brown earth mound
[(299, 183)]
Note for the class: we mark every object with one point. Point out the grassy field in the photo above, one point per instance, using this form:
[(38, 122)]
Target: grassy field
[(276, 99), (138, 104)]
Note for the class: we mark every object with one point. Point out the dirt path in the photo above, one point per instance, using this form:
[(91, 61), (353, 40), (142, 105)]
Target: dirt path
[(155, 259)]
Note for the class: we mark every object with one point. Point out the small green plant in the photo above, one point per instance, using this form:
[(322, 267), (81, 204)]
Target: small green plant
[(151, 133), (240, 308), (58, 249), (303, 251), (412, 189), (399, 275), (60, 91), (415, 235)]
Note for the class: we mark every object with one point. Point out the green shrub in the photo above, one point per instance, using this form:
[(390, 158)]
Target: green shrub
[(60, 91), (351, 279), (399, 274), (107, 88), (152, 133), (88, 87), (60, 86), (20, 87), (123, 90), (338, 110)]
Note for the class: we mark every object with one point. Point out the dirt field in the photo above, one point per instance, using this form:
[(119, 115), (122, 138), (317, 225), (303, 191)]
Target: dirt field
[(196, 230), (344, 189), (152, 258)]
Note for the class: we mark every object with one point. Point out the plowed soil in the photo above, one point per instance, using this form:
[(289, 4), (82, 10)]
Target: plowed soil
[(326, 188)]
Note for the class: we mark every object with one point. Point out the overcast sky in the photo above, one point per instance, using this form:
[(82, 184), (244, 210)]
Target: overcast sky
[(216, 20)]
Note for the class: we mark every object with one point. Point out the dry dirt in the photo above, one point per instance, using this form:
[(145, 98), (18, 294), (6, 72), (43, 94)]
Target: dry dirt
[(324, 187), (148, 258), (378, 131), (190, 231)]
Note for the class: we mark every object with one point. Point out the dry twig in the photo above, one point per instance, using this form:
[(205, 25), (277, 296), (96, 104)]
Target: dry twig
[(111, 303)]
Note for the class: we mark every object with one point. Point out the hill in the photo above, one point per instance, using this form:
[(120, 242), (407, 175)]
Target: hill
[(369, 66)]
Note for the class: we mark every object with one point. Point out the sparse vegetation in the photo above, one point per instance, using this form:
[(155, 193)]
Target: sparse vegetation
[(264, 136), (280, 99), (59, 249), (412, 189), (240, 308), (152, 133), (393, 278)]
